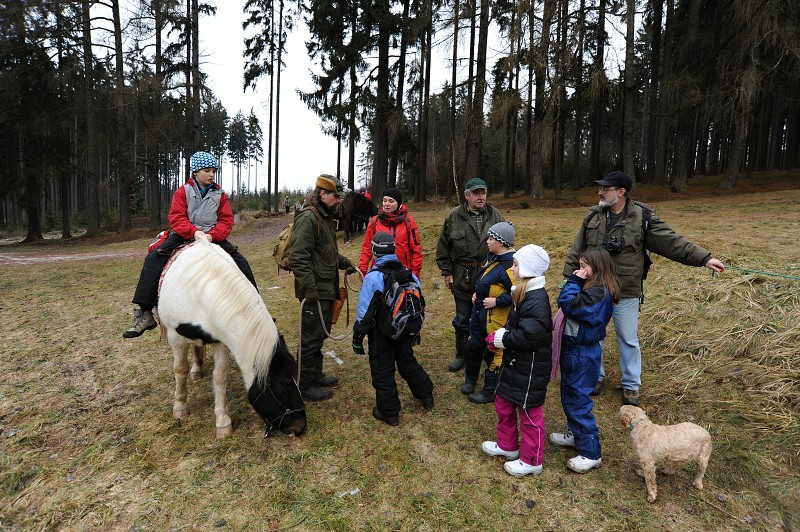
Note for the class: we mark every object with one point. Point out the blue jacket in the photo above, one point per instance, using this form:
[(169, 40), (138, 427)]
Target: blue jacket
[(586, 312), (371, 296)]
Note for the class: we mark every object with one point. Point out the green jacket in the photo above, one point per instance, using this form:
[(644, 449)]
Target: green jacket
[(661, 239), (461, 250), (314, 256)]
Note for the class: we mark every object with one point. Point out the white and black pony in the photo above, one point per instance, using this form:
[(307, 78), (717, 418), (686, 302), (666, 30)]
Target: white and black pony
[(206, 300)]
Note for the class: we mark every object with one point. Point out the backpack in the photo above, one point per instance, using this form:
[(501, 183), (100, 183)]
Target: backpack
[(283, 248), (404, 309)]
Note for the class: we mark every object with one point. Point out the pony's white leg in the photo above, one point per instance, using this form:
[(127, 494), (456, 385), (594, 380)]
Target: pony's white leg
[(196, 373), (222, 361), (180, 365)]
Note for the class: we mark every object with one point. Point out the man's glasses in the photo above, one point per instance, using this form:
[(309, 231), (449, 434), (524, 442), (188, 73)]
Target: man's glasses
[(603, 190)]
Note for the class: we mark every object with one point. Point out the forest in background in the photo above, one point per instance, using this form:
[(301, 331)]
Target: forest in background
[(101, 102)]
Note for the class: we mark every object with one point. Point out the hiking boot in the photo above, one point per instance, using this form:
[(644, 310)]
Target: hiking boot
[(491, 448), (630, 397), (469, 386), (457, 364), (518, 468), (427, 402), (389, 420), (598, 388), (329, 381), (486, 395), (581, 464), (562, 439), (316, 393), (142, 321)]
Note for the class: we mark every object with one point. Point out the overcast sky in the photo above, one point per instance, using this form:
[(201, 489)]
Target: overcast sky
[(305, 151)]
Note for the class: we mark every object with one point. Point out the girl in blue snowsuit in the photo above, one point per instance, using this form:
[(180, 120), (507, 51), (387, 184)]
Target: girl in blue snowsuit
[(587, 301)]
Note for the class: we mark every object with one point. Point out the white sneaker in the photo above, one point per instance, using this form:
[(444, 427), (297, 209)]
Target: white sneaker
[(581, 464), (518, 468), (491, 448), (563, 439)]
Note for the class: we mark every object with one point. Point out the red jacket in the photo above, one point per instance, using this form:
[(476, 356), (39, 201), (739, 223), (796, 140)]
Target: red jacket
[(406, 241), (180, 219)]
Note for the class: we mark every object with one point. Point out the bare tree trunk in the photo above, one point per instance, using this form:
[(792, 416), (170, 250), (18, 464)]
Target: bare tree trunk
[(155, 145), (629, 120), (657, 7), (598, 90), (122, 156), (270, 137), (453, 93), (577, 174), (198, 141), (275, 199), (474, 145), (398, 121), (735, 157), (540, 149), (422, 181), (382, 104)]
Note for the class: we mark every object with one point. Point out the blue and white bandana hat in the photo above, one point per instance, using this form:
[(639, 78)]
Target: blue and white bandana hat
[(202, 159)]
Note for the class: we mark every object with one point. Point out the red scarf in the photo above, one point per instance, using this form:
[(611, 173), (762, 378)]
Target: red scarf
[(391, 219)]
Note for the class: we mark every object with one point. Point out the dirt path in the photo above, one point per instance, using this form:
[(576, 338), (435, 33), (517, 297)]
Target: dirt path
[(54, 250)]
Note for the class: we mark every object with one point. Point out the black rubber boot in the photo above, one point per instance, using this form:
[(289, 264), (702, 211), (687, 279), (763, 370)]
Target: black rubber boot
[(458, 362), (469, 386), (486, 395)]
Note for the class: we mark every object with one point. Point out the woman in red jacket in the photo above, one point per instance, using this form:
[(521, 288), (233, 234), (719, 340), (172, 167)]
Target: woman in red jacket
[(393, 218)]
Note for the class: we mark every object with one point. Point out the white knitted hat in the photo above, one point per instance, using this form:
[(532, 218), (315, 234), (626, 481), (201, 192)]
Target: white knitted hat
[(533, 261)]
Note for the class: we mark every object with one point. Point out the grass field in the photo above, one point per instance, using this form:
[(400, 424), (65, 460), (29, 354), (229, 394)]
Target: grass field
[(88, 441)]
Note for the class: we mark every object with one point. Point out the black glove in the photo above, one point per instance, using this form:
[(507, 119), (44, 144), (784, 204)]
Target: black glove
[(416, 340), (358, 347), (350, 270)]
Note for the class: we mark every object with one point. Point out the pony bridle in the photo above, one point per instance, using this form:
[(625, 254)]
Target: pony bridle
[(274, 424)]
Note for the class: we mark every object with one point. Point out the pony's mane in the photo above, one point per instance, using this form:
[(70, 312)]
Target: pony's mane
[(234, 300)]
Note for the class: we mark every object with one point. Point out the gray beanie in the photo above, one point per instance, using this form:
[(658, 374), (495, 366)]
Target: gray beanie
[(382, 244), (504, 233)]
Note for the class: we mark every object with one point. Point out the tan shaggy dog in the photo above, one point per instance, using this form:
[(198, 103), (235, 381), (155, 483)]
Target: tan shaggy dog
[(665, 447)]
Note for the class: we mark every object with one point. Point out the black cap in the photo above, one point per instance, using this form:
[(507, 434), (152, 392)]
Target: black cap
[(616, 179), (382, 244)]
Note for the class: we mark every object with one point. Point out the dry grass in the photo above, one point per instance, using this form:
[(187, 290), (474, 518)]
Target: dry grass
[(88, 439)]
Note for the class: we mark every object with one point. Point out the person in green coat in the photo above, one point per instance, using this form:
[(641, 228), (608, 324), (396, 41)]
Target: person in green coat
[(620, 226), (460, 253), (315, 261)]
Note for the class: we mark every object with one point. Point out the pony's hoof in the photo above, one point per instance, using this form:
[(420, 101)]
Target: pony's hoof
[(181, 413), (223, 432), (195, 376)]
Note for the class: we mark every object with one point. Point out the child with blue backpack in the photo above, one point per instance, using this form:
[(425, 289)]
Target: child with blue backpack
[(587, 301), (392, 331)]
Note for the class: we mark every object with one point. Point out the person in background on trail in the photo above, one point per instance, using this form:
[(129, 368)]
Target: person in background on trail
[(199, 208), (460, 252), (617, 225), (287, 203), (298, 205), (587, 303), (315, 260), (385, 352), (490, 305), (526, 341), (393, 218)]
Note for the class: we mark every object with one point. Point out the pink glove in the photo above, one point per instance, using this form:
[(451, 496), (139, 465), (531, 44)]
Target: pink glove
[(490, 343)]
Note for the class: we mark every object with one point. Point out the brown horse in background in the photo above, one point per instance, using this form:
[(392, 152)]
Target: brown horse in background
[(354, 213)]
